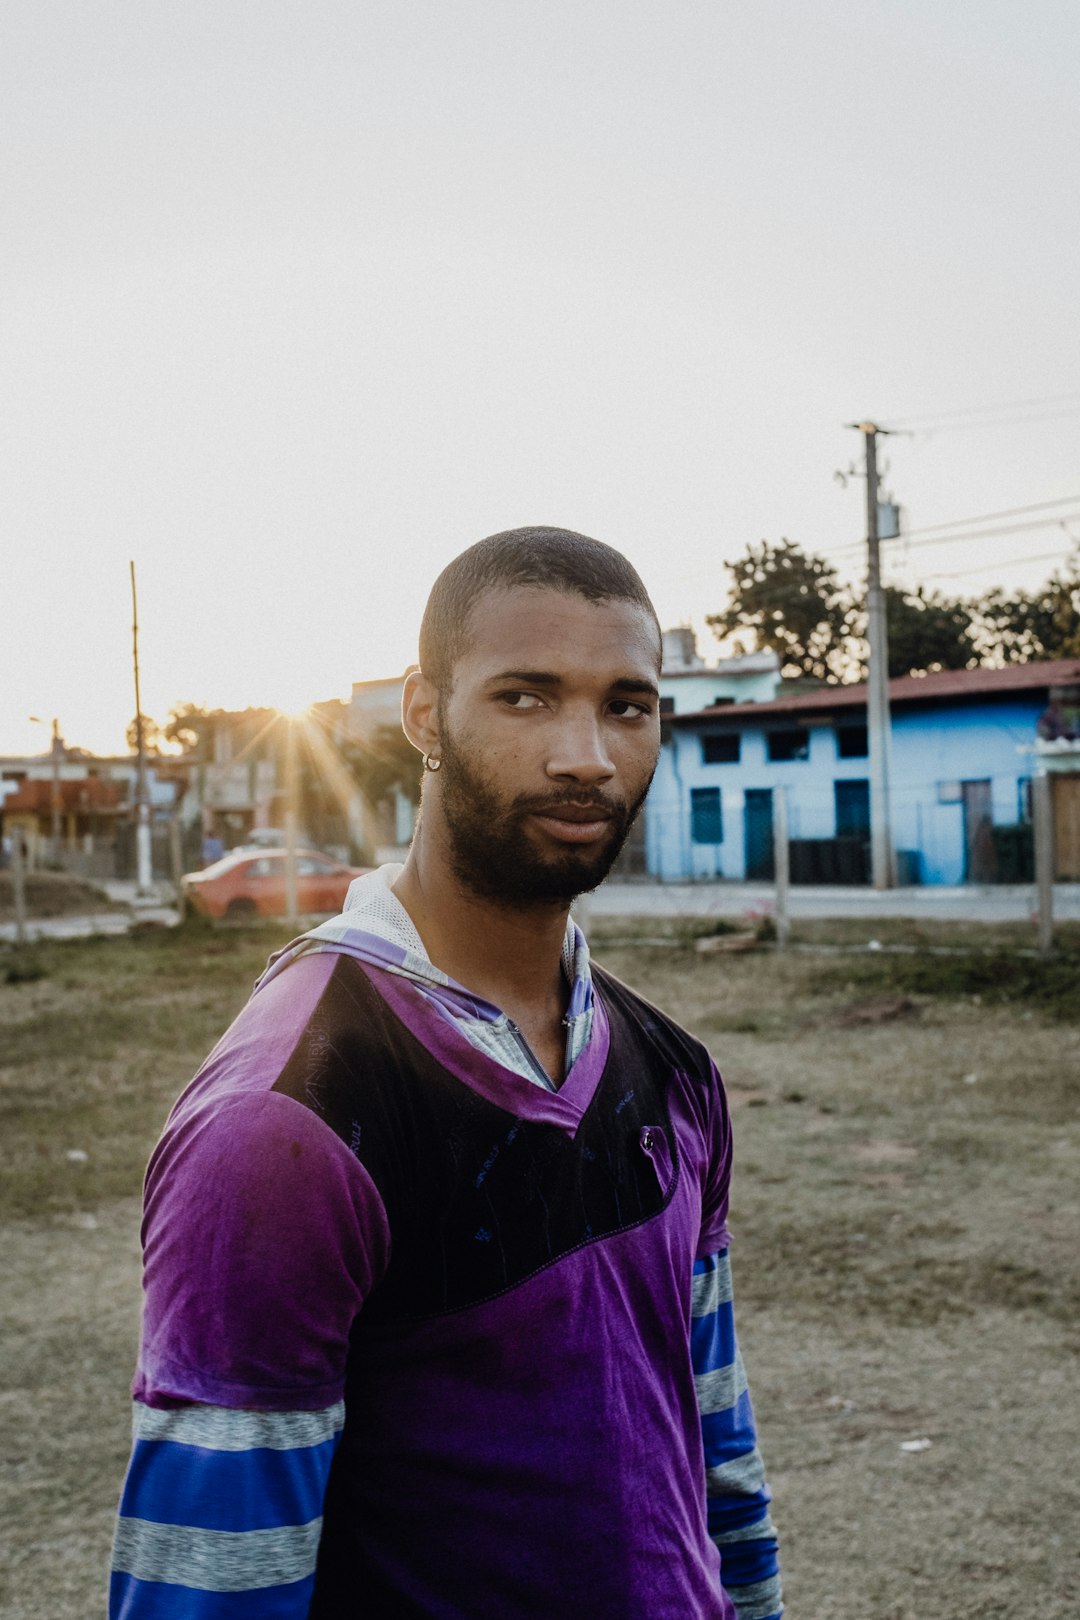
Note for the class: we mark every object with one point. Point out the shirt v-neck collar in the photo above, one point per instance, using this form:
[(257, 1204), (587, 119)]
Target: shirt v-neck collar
[(506, 1088)]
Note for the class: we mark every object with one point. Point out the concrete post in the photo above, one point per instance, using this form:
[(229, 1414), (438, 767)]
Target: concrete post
[(1043, 819)]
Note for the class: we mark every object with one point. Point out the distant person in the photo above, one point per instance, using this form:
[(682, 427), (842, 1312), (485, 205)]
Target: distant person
[(212, 849), (438, 1315)]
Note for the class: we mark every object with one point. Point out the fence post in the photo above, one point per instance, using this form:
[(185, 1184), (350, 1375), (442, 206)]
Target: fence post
[(18, 884), (781, 864), (1043, 819)]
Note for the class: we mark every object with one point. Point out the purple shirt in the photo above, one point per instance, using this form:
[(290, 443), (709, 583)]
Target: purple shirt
[(536, 1450)]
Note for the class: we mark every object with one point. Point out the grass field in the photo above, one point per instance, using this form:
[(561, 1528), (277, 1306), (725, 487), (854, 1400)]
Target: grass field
[(905, 1211)]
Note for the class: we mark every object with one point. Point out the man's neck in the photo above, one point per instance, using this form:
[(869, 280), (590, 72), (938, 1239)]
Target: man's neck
[(505, 954), (510, 956)]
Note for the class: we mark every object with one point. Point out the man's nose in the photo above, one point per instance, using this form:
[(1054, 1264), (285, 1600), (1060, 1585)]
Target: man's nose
[(581, 752)]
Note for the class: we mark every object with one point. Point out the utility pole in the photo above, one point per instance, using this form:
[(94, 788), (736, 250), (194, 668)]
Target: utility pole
[(782, 865), (1043, 818), (18, 881), (143, 860), (292, 909), (57, 754), (882, 854)]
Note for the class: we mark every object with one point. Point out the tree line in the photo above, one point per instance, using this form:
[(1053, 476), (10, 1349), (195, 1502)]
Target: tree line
[(791, 602)]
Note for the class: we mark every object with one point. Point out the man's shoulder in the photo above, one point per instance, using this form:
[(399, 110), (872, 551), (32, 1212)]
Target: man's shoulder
[(651, 1023), (299, 1012)]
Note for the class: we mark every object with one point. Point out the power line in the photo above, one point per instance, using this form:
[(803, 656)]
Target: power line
[(923, 539), (925, 417), (1006, 528), (982, 424), (1008, 562), (988, 517)]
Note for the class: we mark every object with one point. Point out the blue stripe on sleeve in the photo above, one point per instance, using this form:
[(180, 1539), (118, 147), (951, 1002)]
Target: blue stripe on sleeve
[(131, 1599), (712, 1339), (743, 1563), (729, 1513), (730, 1433), (221, 1490)]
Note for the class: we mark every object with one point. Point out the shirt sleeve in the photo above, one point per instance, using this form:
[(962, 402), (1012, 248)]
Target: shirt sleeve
[(221, 1513), (262, 1237), (716, 1186), (737, 1497)]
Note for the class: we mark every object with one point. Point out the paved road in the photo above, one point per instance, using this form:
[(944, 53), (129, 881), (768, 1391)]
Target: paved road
[(990, 903), (996, 903)]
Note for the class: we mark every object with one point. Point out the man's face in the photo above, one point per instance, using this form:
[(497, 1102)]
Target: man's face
[(548, 739)]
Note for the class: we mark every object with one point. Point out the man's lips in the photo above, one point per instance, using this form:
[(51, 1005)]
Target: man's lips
[(574, 823), (574, 812)]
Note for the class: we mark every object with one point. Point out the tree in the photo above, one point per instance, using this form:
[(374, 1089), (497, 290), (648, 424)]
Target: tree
[(187, 725), (386, 761), (152, 736), (1024, 625), (787, 602), (793, 603), (928, 631)]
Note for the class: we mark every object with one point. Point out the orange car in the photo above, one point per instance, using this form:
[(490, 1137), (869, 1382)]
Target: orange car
[(251, 883)]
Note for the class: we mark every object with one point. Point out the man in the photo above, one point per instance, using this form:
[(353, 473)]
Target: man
[(438, 1313)]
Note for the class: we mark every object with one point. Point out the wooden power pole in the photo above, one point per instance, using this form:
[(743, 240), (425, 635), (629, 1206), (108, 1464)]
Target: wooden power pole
[(882, 853), (143, 855)]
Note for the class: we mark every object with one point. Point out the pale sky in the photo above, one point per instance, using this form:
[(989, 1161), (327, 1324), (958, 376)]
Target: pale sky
[(300, 299)]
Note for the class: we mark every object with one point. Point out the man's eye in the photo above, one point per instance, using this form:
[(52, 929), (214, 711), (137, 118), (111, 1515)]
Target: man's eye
[(521, 700), (622, 708)]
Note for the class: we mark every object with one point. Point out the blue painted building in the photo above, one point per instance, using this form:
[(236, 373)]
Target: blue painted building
[(962, 757)]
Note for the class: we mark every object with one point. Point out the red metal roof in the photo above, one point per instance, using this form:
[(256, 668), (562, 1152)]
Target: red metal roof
[(944, 685), (34, 794)]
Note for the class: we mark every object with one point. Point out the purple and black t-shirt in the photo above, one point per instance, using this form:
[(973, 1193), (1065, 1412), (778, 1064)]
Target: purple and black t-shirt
[(373, 1243)]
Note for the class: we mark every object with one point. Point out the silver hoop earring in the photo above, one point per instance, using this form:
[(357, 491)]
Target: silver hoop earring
[(431, 763)]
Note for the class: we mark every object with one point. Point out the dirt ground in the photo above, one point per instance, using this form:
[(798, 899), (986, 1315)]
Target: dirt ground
[(52, 894), (905, 1212)]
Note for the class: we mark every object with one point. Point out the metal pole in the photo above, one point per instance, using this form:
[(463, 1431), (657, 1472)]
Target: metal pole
[(877, 685), (57, 753), (1043, 818), (291, 907), (18, 883), (143, 858), (781, 862)]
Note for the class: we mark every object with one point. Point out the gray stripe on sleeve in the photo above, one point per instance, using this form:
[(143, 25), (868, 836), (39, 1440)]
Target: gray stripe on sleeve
[(216, 1560), (742, 1476), (720, 1389), (758, 1601), (225, 1428), (711, 1289)]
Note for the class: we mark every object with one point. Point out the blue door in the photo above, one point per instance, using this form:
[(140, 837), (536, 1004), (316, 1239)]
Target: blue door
[(852, 808), (758, 832)]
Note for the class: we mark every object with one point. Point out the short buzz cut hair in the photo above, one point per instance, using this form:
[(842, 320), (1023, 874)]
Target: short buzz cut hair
[(545, 558)]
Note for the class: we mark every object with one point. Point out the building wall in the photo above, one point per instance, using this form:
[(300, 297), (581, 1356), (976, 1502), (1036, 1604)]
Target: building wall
[(934, 751), (701, 688)]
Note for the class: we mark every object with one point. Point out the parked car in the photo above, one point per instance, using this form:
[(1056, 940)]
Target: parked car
[(247, 883)]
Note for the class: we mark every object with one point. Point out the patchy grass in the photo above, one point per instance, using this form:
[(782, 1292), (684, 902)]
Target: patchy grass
[(53, 894), (95, 1046), (905, 1208), (1051, 984)]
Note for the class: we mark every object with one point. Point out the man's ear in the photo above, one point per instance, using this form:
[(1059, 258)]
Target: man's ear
[(419, 712)]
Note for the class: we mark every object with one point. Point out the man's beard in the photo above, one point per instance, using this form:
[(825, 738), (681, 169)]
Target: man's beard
[(491, 852)]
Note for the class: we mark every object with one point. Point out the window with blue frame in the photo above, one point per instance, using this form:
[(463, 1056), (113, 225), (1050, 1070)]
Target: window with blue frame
[(787, 745), (852, 742), (721, 748), (1023, 799), (706, 816)]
